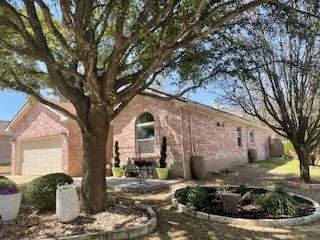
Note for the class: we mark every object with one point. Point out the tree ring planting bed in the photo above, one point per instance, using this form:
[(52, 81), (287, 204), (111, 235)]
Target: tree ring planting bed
[(296, 183), (309, 210), (120, 222)]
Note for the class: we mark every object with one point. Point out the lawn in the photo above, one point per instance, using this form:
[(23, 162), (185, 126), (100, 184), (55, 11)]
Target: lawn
[(4, 168), (287, 166)]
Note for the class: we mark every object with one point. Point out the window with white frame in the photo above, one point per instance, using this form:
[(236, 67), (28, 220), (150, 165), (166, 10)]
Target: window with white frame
[(145, 133), (252, 136), (239, 136)]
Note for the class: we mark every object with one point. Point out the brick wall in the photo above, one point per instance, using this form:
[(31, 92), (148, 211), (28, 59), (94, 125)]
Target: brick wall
[(219, 146), (167, 123), (5, 149), (39, 122)]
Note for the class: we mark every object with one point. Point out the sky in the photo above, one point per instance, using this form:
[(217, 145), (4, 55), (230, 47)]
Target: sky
[(12, 102)]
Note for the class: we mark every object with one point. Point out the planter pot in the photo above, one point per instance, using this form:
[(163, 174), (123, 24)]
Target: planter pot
[(162, 173), (230, 202), (10, 206), (198, 167), (253, 155), (67, 205), (117, 172)]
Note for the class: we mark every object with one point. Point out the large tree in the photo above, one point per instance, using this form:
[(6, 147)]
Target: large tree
[(99, 55), (272, 72)]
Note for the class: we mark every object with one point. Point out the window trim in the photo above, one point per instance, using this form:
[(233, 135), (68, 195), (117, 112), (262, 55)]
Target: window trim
[(239, 136), (252, 137), (143, 125)]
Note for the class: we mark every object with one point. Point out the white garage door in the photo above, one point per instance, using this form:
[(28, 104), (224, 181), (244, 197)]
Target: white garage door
[(41, 156)]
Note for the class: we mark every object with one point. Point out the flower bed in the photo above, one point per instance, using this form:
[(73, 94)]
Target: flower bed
[(207, 205), (297, 183), (117, 222)]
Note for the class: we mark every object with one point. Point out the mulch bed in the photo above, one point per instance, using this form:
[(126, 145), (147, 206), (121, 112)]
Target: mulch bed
[(298, 180), (248, 210), (31, 224)]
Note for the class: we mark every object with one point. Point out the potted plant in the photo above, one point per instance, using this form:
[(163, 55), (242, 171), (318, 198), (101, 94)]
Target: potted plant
[(67, 204), (10, 199), (163, 171), (116, 169)]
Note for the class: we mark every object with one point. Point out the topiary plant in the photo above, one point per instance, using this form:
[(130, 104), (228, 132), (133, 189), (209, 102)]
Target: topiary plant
[(277, 203), (163, 154), (41, 192), (117, 155)]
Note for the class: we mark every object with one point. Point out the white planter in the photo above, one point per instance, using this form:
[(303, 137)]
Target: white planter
[(10, 206), (67, 205)]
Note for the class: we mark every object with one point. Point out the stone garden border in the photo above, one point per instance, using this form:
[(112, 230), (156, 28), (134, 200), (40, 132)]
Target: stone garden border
[(301, 185), (119, 234), (253, 222)]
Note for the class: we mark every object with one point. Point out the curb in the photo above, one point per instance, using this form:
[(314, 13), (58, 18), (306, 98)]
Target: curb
[(132, 232), (255, 222), (299, 185)]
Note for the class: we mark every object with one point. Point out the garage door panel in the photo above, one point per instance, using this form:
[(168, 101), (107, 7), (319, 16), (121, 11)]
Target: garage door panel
[(41, 156)]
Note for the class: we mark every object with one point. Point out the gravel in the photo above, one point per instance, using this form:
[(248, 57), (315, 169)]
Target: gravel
[(33, 225)]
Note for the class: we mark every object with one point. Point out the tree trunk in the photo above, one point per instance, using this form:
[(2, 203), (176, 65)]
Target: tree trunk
[(303, 156), (94, 164)]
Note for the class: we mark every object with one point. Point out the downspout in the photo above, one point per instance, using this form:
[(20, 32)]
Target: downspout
[(191, 136), (182, 142)]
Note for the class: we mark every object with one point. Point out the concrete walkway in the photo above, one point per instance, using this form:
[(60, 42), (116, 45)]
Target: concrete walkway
[(133, 184)]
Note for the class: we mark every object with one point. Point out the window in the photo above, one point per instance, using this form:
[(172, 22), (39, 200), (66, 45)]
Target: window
[(145, 133), (252, 137), (220, 124), (239, 137)]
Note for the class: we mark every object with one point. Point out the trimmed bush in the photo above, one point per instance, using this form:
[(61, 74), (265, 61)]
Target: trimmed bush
[(41, 192), (277, 203), (197, 197)]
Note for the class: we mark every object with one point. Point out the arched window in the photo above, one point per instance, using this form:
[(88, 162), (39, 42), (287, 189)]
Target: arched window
[(145, 133)]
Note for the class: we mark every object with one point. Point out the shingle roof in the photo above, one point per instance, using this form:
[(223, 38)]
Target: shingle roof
[(3, 125)]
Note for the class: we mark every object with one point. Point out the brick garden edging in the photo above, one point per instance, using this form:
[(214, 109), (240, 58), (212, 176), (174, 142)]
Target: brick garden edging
[(120, 234), (255, 222), (300, 185)]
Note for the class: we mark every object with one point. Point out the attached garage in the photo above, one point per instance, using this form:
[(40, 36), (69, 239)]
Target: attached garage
[(41, 156)]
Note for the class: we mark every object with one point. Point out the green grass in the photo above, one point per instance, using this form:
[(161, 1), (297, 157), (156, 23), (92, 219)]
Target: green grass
[(288, 166)]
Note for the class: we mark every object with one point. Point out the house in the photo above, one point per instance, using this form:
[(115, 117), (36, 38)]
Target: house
[(5, 146), (47, 141)]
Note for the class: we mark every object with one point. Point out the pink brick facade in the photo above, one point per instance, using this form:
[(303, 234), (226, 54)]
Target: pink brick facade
[(41, 122), (218, 146), (190, 129)]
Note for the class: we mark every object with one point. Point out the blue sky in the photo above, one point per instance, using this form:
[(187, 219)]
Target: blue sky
[(12, 102)]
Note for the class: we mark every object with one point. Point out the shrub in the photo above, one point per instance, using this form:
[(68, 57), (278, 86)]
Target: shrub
[(289, 151), (242, 189), (197, 197), (277, 203), (41, 192), (182, 195), (7, 186)]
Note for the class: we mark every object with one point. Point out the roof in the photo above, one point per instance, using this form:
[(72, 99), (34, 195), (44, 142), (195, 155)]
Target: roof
[(226, 113), (64, 104), (236, 115), (3, 125)]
